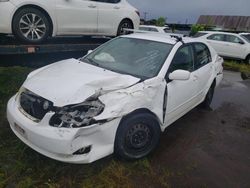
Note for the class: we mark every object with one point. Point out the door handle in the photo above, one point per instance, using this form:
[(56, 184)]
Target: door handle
[(92, 6), (116, 7)]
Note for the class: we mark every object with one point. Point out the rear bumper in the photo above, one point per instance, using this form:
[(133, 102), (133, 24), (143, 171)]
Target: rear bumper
[(7, 10), (219, 78), (61, 143)]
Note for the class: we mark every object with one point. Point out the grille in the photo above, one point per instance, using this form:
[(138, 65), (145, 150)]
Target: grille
[(34, 105)]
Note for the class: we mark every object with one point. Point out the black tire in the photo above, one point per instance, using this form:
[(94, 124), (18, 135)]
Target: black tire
[(247, 61), (125, 24), (137, 136), (209, 97), (28, 28)]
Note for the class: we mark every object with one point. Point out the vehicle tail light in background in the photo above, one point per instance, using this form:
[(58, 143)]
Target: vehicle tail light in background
[(138, 13)]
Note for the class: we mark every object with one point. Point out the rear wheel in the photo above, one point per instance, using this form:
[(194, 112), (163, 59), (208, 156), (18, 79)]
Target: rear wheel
[(125, 24), (248, 60), (209, 97), (31, 25), (137, 136)]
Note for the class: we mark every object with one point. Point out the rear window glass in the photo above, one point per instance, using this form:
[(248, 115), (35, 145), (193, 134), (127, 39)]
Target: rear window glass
[(199, 35), (247, 37)]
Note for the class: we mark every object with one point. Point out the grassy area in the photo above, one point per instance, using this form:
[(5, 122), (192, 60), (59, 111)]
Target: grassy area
[(20, 166), (236, 66)]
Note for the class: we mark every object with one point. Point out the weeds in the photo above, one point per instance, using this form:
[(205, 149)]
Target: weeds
[(235, 66)]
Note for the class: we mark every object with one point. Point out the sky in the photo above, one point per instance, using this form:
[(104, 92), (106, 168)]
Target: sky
[(182, 11)]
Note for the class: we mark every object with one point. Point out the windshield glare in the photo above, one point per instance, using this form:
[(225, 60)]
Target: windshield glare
[(136, 57)]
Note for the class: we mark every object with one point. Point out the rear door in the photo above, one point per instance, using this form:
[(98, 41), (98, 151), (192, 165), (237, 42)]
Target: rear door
[(109, 16), (203, 67), (76, 16), (235, 47)]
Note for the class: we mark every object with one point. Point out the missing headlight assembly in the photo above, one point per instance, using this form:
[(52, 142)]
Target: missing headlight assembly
[(79, 115)]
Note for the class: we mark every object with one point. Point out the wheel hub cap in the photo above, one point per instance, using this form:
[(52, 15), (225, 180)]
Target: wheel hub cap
[(32, 26), (138, 136)]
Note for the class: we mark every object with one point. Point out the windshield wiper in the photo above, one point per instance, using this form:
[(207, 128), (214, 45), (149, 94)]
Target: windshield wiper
[(90, 61)]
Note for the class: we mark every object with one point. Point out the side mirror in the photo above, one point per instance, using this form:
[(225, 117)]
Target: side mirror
[(89, 51), (179, 75), (241, 42)]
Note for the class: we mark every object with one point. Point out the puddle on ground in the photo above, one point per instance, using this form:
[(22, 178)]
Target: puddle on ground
[(232, 90)]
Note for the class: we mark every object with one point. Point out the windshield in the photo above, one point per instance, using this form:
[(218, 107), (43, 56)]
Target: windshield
[(136, 57), (246, 37)]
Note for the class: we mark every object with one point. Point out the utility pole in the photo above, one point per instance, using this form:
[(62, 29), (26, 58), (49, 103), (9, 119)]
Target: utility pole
[(145, 15)]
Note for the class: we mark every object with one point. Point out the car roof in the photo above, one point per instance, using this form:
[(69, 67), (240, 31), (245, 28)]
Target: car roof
[(160, 37), (244, 33), (217, 32)]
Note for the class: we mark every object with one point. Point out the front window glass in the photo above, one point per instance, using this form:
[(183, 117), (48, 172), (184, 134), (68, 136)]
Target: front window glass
[(219, 37), (153, 29), (136, 57), (144, 28), (183, 59)]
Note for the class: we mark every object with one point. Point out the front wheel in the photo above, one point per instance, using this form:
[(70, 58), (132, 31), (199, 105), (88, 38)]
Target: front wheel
[(30, 25), (125, 24), (137, 136)]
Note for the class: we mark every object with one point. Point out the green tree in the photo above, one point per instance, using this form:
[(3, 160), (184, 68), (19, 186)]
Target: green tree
[(160, 21), (196, 28)]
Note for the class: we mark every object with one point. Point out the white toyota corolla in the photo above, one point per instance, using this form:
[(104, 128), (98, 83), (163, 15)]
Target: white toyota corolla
[(118, 98)]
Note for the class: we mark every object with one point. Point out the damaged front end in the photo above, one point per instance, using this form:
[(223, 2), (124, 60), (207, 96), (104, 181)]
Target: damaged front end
[(79, 115), (71, 116)]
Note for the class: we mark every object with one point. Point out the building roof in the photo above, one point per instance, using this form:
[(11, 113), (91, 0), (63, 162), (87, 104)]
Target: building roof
[(234, 23)]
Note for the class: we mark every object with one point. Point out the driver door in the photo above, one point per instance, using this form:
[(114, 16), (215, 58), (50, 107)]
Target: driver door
[(181, 94)]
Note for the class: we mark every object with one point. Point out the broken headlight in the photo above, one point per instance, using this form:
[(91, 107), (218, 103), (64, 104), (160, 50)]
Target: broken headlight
[(79, 115)]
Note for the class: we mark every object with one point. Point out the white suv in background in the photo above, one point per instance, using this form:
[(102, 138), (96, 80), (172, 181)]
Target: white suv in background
[(34, 21), (245, 36), (229, 45)]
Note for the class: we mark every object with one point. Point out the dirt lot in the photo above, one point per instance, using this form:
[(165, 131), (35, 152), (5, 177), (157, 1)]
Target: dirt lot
[(205, 148)]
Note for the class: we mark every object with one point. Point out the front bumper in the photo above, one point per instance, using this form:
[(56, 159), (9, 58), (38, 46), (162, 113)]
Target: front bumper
[(61, 143), (7, 10)]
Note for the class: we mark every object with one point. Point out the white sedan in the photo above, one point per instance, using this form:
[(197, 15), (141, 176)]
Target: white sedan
[(34, 21), (228, 45), (153, 28), (118, 98)]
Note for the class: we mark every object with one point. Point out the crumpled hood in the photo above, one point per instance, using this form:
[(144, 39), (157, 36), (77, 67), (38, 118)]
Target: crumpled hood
[(72, 81)]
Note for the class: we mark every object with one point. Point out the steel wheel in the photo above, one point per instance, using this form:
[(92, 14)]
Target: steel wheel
[(209, 97), (32, 26), (248, 60), (137, 136)]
